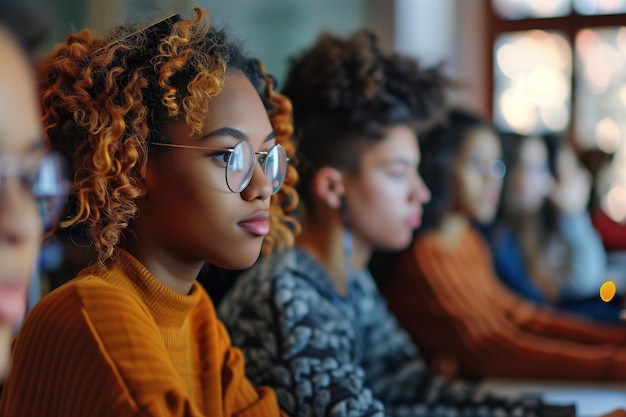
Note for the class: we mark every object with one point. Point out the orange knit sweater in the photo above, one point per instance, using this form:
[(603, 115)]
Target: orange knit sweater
[(453, 305), (118, 343)]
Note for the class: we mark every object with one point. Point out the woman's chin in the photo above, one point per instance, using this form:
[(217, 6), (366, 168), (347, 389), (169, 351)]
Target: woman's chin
[(396, 245), (243, 261)]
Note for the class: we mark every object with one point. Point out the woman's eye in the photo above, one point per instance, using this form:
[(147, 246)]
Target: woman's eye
[(221, 157), (397, 174)]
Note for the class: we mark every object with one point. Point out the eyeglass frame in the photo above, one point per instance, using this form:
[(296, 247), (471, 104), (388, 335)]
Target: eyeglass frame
[(27, 174), (488, 171), (232, 151)]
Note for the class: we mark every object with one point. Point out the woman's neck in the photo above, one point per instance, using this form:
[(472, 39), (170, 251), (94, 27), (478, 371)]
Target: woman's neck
[(323, 240), (452, 227), (170, 271)]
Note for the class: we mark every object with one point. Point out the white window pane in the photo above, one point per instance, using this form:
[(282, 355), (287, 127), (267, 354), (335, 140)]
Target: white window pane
[(591, 7), (520, 9), (600, 111), (600, 87), (532, 88)]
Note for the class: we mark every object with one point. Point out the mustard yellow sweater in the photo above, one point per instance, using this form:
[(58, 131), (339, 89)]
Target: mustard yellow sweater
[(118, 343)]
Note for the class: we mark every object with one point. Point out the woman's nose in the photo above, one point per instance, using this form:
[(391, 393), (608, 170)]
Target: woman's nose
[(20, 222), (259, 187), (421, 191)]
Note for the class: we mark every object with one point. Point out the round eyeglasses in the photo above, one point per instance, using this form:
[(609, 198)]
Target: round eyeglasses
[(44, 177), (495, 169), (239, 161)]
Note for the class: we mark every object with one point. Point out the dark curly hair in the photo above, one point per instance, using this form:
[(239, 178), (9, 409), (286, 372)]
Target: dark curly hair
[(104, 99), (346, 92)]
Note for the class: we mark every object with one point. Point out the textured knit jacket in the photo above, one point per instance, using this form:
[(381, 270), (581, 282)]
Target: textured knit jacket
[(449, 299), (118, 343), (328, 355)]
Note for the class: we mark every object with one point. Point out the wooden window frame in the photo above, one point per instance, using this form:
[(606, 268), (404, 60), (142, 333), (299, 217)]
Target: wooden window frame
[(568, 25)]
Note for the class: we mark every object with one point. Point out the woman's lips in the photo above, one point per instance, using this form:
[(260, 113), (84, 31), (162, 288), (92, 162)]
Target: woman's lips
[(257, 225), (12, 303), (415, 221)]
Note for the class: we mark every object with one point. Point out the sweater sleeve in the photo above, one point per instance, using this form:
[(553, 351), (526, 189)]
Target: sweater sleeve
[(587, 257), (396, 373), (452, 304), (298, 343), (105, 361), (511, 268), (236, 394)]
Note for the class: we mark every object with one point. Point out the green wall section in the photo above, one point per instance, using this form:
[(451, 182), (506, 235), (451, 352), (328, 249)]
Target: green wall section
[(273, 30)]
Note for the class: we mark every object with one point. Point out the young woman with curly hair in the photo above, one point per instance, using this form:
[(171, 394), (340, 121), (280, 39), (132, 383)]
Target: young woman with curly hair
[(29, 182), (311, 321), (163, 127)]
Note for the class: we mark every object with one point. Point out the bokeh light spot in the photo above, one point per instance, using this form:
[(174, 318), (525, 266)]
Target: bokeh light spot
[(607, 291)]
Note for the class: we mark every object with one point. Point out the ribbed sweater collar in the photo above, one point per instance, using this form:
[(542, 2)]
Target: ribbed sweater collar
[(169, 308)]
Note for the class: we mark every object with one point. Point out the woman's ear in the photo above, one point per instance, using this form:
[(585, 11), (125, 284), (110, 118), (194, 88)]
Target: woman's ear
[(143, 180), (328, 187), (141, 187)]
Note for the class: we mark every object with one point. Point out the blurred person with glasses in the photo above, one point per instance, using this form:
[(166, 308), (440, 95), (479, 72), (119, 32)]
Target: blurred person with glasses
[(178, 147), (544, 244), (444, 288), (32, 186)]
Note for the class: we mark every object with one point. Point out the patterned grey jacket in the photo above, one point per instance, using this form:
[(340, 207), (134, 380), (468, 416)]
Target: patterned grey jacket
[(326, 355)]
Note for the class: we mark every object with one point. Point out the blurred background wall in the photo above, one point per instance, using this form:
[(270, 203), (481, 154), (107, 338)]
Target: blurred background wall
[(532, 66), (275, 30)]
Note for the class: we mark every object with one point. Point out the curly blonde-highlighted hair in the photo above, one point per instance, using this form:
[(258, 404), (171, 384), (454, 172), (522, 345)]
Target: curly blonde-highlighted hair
[(102, 99)]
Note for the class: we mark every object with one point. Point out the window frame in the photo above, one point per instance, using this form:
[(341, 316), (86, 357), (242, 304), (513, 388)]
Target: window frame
[(568, 25)]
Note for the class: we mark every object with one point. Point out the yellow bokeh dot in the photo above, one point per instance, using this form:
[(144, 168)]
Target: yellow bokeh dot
[(607, 291)]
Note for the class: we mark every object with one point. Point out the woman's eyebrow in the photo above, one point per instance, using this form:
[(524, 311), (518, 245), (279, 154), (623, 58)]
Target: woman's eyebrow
[(226, 131), (235, 133)]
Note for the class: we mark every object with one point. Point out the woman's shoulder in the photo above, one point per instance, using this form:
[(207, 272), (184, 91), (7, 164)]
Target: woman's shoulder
[(281, 272), (288, 280), (88, 298)]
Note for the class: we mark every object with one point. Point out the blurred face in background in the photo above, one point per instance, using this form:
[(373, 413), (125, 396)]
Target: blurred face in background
[(385, 197), (477, 175), (21, 147), (531, 181)]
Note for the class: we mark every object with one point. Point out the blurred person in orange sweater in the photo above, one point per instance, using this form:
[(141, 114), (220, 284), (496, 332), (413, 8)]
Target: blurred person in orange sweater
[(446, 294)]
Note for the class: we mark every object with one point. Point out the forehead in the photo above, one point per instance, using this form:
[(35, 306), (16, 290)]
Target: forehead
[(533, 149), (239, 106), (480, 140), (399, 142), (20, 128)]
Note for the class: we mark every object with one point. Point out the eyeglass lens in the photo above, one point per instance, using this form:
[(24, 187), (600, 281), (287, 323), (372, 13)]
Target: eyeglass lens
[(50, 188), (47, 182), (240, 166)]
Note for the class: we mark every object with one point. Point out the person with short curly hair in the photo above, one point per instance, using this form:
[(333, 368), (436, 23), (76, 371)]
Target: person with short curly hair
[(178, 146), (310, 320)]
